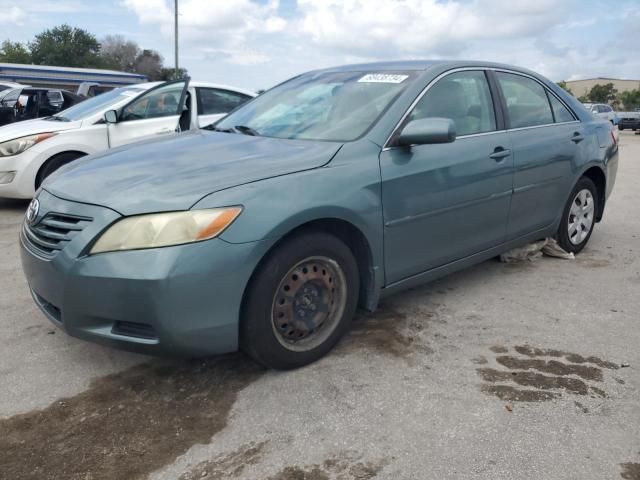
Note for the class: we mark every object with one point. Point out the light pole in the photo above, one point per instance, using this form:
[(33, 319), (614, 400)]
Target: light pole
[(176, 38)]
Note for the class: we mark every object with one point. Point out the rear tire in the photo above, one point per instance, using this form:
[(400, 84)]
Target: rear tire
[(53, 164), (300, 301), (579, 217)]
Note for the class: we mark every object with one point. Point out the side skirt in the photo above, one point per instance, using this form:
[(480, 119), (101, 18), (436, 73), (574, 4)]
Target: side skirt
[(463, 263)]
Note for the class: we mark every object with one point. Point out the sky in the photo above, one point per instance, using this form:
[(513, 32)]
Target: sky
[(258, 43)]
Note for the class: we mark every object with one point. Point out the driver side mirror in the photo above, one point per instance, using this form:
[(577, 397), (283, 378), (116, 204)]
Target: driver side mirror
[(427, 131), (111, 116)]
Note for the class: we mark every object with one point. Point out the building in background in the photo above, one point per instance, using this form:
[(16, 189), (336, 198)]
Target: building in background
[(65, 77), (583, 87)]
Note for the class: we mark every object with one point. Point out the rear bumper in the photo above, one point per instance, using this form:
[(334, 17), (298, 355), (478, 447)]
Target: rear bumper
[(182, 300)]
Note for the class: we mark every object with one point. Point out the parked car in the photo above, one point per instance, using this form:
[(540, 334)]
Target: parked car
[(267, 229), (10, 86), (27, 103), (92, 89), (602, 110), (32, 150), (629, 120)]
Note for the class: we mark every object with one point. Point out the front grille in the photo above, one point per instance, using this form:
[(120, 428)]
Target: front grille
[(52, 233)]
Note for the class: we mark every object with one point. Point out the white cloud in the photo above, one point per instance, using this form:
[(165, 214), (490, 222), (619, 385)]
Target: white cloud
[(427, 28), (237, 56), (229, 22), (13, 16)]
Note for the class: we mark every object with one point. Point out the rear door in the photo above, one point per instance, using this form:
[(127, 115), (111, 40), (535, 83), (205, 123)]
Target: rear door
[(215, 103), (546, 138), (153, 114)]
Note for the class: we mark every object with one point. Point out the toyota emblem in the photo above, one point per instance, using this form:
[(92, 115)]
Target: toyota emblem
[(32, 211)]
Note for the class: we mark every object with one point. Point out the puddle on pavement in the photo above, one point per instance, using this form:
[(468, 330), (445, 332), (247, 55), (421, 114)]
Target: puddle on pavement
[(345, 467), (536, 375), (387, 331), (227, 466), (630, 471), (128, 424)]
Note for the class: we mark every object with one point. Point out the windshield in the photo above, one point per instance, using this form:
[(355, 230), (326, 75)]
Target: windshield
[(96, 104), (338, 106)]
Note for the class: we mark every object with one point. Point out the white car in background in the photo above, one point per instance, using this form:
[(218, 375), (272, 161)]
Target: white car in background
[(10, 86), (602, 110), (32, 150)]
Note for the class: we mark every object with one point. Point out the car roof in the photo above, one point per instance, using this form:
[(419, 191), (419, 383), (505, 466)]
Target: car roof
[(149, 85), (222, 87), (421, 65)]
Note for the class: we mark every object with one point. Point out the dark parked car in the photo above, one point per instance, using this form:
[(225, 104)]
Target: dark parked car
[(629, 120), (268, 229), (29, 102)]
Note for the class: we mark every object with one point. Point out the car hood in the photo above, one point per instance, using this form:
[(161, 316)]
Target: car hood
[(33, 127), (175, 172)]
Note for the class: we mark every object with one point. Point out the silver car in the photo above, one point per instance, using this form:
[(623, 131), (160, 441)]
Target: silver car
[(602, 110)]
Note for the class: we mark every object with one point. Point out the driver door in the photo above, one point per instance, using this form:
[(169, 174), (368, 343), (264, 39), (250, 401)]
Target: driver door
[(154, 114)]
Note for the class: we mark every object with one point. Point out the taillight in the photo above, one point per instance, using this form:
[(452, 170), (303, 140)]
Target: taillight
[(614, 136)]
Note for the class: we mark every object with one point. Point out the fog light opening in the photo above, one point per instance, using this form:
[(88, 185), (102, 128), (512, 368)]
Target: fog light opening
[(7, 177)]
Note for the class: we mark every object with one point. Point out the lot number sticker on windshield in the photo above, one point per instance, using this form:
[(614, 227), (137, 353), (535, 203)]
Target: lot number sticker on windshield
[(383, 78)]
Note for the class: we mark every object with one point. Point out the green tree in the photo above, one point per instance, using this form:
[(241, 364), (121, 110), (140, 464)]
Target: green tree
[(14, 52), (149, 63), (562, 84), (602, 93), (169, 74), (66, 46), (118, 53), (630, 99)]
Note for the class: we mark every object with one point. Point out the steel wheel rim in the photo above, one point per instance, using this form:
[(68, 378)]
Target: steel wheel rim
[(581, 216), (309, 303)]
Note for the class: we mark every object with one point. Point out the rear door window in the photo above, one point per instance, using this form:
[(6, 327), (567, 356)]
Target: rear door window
[(465, 98), (215, 101), (526, 99)]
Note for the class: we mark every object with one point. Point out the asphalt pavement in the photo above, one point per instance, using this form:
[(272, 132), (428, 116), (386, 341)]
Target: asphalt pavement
[(501, 371)]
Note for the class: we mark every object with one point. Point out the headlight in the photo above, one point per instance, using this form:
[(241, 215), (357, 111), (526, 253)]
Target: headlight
[(19, 145), (164, 229)]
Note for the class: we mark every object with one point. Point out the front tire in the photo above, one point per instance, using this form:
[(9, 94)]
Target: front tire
[(300, 301), (579, 217)]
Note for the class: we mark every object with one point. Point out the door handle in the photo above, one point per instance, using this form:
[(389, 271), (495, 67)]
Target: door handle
[(577, 137), (500, 153), (163, 131)]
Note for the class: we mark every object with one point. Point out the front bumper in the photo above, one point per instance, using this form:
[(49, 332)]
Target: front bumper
[(24, 168), (183, 300)]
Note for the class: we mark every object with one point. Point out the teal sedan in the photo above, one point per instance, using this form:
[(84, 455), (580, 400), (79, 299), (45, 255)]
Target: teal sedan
[(267, 230)]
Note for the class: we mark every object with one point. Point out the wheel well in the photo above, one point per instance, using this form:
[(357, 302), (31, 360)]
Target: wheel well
[(600, 181), (357, 243), (76, 153)]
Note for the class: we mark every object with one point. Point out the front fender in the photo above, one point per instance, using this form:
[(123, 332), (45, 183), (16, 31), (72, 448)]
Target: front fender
[(347, 189)]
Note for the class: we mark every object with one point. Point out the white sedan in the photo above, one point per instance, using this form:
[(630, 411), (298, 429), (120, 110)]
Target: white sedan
[(32, 150)]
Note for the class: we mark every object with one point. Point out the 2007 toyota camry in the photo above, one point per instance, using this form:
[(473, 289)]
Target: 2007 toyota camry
[(265, 231)]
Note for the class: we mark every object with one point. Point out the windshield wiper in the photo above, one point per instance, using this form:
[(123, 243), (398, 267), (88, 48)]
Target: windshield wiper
[(213, 128), (58, 118), (246, 130)]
